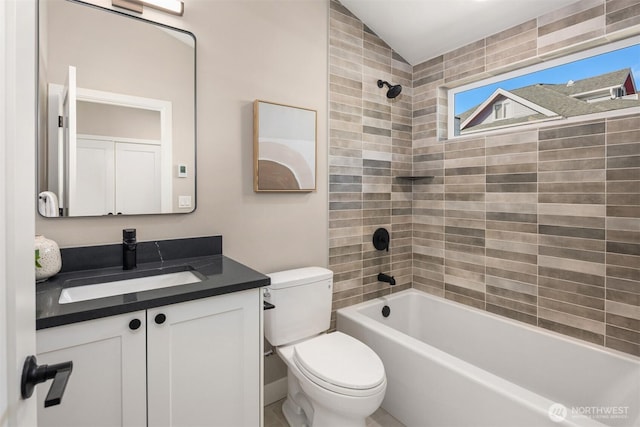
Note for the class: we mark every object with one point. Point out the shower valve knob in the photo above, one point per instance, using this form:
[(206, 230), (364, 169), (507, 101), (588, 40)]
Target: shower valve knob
[(381, 239)]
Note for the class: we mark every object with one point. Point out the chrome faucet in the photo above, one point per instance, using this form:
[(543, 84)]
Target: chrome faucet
[(129, 244)]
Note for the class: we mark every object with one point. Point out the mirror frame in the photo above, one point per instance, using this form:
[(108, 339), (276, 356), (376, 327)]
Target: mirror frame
[(41, 119)]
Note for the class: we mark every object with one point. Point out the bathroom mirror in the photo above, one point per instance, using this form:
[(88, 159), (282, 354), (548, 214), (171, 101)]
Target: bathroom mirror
[(116, 113)]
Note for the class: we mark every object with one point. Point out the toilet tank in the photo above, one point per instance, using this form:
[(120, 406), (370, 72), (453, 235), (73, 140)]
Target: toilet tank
[(303, 304)]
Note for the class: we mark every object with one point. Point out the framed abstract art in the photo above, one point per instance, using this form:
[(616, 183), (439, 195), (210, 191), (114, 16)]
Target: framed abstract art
[(284, 148)]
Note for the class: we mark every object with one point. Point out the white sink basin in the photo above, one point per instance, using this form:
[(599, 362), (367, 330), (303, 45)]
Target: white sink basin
[(126, 286)]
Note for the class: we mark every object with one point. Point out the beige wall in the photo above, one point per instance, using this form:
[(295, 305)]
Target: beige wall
[(246, 50)]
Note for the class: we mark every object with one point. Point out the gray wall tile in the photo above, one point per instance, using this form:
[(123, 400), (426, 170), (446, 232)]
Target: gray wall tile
[(541, 226)]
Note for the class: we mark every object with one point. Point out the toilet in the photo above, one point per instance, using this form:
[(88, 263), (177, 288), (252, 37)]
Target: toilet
[(333, 379)]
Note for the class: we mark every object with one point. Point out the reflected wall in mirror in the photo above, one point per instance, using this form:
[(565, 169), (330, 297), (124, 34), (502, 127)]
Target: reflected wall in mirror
[(116, 113)]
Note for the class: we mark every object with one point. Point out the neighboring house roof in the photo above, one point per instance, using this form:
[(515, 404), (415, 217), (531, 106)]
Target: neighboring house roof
[(548, 96), (591, 84), (500, 94), (549, 101)]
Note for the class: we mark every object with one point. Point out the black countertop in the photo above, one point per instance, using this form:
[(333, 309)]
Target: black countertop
[(221, 275)]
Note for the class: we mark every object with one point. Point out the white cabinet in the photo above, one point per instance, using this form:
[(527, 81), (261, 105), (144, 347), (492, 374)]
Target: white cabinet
[(204, 362), (116, 177), (107, 386), (95, 186), (195, 363), (138, 179)]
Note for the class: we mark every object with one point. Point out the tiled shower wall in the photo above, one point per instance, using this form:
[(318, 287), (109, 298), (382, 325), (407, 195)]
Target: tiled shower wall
[(370, 144), (540, 225)]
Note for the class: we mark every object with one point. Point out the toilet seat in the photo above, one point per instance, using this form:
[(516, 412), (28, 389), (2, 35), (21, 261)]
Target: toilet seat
[(340, 363)]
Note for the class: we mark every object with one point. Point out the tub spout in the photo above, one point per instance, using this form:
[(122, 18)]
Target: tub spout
[(386, 278)]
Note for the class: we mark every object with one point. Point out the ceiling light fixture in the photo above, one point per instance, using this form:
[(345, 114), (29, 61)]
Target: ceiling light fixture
[(175, 7)]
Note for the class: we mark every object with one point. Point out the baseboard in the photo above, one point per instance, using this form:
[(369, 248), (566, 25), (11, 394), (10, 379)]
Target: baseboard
[(275, 391)]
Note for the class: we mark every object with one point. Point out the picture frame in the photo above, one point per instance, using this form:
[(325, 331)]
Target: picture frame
[(284, 148)]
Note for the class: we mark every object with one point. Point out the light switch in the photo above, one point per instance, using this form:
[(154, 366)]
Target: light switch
[(184, 201)]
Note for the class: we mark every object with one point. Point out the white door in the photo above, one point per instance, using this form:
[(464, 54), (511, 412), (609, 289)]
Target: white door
[(114, 178), (69, 99), (107, 387), (138, 178), (55, 138), (203, 362), (17, 206), (95, 188)]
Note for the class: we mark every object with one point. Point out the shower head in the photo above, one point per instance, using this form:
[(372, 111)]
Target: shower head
[(394, 90)]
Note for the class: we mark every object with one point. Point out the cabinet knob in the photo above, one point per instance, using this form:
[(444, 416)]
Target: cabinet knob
[(135, 324), (160, 318)]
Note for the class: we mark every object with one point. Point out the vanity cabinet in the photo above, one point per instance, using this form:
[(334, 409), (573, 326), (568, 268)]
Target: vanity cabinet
[(204, 361), (186, 364), (107, 386)]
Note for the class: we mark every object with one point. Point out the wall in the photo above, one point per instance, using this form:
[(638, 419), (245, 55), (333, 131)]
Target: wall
[(370, 144), (542, 225), (236, 64)]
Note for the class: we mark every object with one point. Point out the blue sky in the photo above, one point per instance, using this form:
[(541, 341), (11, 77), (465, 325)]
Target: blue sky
[(628, 57)]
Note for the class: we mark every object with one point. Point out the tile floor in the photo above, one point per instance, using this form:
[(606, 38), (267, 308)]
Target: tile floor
[(273, 417)]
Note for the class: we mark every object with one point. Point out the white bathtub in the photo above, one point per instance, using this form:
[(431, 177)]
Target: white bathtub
[(451, 365)]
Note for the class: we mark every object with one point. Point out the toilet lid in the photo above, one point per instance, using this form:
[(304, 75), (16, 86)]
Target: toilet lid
[(340, 360)]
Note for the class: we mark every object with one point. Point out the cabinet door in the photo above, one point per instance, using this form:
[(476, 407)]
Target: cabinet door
[(138, 178), (107, 385), (204, 360), (95, 178)]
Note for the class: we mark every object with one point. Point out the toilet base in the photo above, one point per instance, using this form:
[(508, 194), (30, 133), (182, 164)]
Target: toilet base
[(322, 417), (294, 414)]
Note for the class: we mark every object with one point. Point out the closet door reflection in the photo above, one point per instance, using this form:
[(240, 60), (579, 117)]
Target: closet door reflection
[(117, 153), (115, 178), (95, 172), (137, 178)]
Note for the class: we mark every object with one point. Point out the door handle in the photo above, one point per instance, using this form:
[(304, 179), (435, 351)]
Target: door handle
[(267, 306), (33, 374)]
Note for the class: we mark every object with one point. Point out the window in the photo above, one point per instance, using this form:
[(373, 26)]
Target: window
[(618, 92), (501, 110), (597, 81), (498, 111)]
